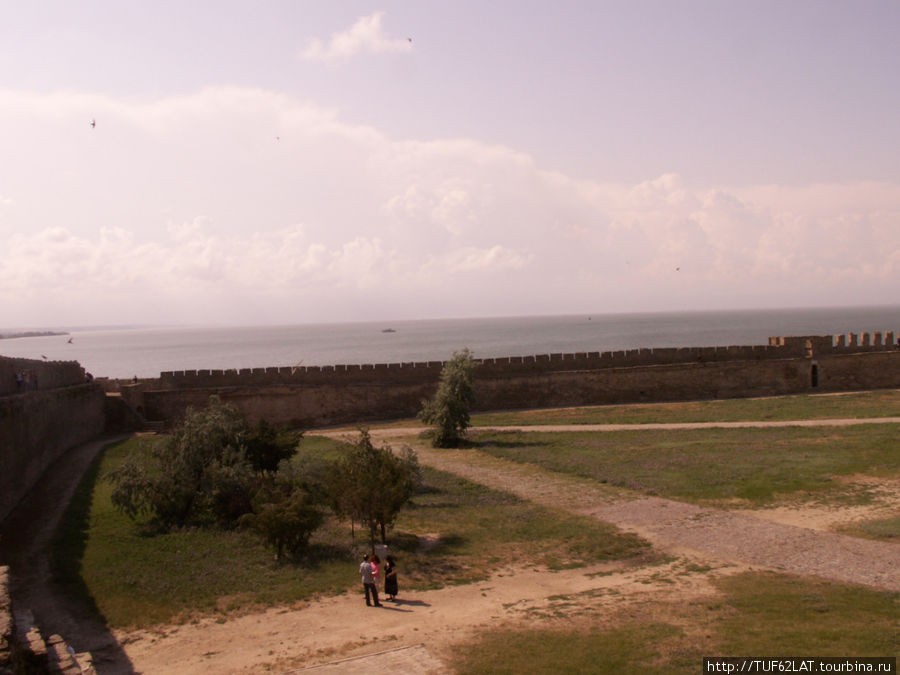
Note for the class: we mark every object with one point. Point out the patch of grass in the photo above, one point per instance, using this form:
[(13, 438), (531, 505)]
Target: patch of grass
[(713, 466), (885, 529), (783, 615), (632, 649), (758, 614), (881, 403), (132, 578), (479, 529)]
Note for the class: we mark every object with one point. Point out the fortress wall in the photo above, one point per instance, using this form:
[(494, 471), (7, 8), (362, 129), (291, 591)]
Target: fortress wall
[(37, 427), (337, 403), (301, 375), (43, 374), (855, 372), (301, 406), (321, 396), (853, 343), (418, 372), (689, 381)]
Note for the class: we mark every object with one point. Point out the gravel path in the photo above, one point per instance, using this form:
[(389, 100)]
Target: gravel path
[(405, 432), (678, 525)]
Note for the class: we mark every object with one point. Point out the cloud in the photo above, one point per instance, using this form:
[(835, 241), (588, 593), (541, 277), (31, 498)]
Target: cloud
[(366, 35), (244, 204)]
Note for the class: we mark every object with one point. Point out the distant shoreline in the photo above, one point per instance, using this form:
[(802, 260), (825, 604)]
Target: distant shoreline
[(30, 333)]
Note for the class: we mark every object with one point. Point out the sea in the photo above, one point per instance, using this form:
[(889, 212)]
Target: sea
[(147, 351)]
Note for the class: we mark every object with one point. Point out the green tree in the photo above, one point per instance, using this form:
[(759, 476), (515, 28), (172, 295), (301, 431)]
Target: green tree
[(370, 485), (448, 411), (284, 516), (201, 474), (267, 446)]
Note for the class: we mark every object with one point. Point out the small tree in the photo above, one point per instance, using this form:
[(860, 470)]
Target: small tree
[(370, 485), (285, 516), (448, 411)]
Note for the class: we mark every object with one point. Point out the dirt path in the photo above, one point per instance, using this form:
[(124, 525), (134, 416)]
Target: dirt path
[(406, 432), (418, 633), (679, 526), (341, 628)]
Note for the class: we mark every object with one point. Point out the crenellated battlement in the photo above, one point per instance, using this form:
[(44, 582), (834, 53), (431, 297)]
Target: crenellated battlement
[(414, 372), (20, 375)]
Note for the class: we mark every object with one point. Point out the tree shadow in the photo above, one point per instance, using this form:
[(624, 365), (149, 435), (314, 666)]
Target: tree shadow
[(495, 443)]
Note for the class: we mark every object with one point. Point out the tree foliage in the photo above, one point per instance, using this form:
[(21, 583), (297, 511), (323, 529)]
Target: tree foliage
[(268, 446), (284, 515), (370, 485), (207, 472), (448, 411)]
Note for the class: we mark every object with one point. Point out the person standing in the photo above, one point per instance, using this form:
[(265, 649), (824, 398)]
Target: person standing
[(376, 569), (390, 578), (368, 582)]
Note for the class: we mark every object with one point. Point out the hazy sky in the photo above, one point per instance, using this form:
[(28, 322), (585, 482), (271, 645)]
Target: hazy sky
[(294, 161)]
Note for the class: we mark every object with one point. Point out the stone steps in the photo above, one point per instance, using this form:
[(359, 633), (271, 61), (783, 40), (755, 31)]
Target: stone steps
[(53, 655), (24, 650)]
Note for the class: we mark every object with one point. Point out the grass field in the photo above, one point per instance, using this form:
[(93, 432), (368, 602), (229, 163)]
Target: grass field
[(755, 614), (755, 466), (135, 579)]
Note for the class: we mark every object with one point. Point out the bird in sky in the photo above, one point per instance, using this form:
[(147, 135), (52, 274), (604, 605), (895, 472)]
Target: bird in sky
[(93, 124)]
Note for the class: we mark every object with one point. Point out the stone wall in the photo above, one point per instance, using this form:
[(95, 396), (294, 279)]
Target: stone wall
[(37, 426), (7, 627), (321, 396), (37, 374), (418, 372)]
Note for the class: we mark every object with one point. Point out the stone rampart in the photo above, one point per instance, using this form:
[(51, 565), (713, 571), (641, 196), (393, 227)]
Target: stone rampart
[(7, 627), (417, 372), (38, 424), (316, 396), (18, 375)]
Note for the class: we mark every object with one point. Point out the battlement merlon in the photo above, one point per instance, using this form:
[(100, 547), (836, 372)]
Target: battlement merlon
[(781, 347)]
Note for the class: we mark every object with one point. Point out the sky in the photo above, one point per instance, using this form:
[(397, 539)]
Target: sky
[(289, 161)]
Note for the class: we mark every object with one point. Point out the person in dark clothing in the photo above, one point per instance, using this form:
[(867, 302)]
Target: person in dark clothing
[(390, 578)]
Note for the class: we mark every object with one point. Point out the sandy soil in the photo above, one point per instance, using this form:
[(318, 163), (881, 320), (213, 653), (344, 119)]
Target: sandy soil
[(340, 627), (418, 633)]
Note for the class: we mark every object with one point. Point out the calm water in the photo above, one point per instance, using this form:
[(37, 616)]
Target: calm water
[(146, 352)]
